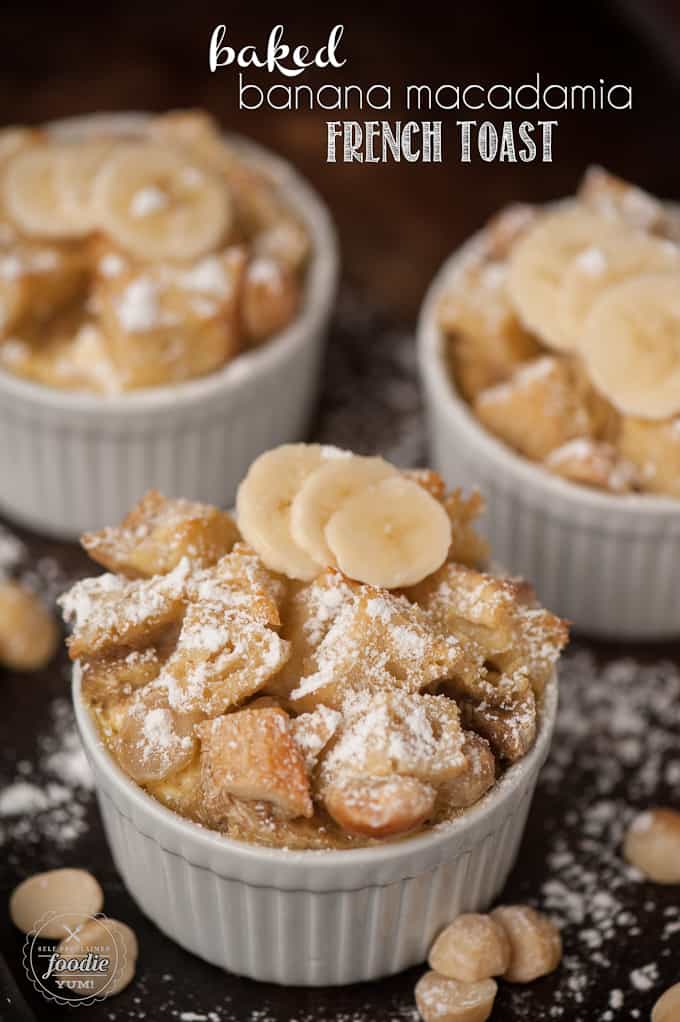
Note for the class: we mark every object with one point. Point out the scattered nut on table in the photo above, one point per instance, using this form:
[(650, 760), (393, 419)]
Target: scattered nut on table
[(28, 633), (535, 943), (110, 938), (440, 999), (667, 1008), (72, 894), (652, 845), (473, 947)]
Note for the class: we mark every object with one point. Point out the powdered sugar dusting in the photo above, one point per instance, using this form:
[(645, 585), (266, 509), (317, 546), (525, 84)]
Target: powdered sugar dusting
[(138, 307), (147, 201), (592, 261), (618, 728), (45, 803)]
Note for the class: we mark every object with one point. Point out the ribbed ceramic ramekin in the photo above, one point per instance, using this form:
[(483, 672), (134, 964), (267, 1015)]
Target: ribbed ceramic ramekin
[(310, 918), (71, 461), (608, 563)]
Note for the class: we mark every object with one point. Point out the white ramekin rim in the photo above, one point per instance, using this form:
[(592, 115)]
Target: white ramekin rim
[(528, 475), (328, 864), (320, 289)]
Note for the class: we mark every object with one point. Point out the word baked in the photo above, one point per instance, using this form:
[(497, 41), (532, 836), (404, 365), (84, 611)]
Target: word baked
[(279, 56)]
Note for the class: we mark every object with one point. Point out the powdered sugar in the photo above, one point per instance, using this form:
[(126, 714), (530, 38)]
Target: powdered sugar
[(617, 729), (111, 264), (208, 276), (377, 640), (46, 801), (110, 606), (14, 265), (147, 201), (592, 261), (138, 307), (325, 603), (313, 731), (645, 977), (266, 272), (590, 461), (22, 797)]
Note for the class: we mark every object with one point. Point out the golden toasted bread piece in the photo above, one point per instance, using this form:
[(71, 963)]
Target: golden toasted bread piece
[(590, 463), (197, 134), (537, 409), (467, 546), (68, 352), (261, 823), (500, 617), (270, 300), (252, 755), (113, 677), (510, 730), (463, 601), (506, 227), (313, 731), (619, 200), (223, 657), (539, 638), (153, 741), (111, 614), (37, 281), (181, 791), (654, 447), (307, 616), (154, 537), (605, 419), (395, 733), (429, 480), (241, 582), (165, 324), (485, 339), (378, 641), (473, 782)]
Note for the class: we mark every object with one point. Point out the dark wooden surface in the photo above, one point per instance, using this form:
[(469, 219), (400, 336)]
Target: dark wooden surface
[(396, 223)]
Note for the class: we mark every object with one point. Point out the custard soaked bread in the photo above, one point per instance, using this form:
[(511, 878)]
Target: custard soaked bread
[(248, 682)]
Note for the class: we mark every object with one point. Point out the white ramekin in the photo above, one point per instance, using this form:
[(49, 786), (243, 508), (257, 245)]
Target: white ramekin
[(73, 461), (310, 918), (610, 564)]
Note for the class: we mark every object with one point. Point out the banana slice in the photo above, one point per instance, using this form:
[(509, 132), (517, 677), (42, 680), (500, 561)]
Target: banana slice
[(158, 206), (76, 171), (538, 263), (631, 345), (391, 534), (604, 264), (263, 505), (32, 195), (324, 492)]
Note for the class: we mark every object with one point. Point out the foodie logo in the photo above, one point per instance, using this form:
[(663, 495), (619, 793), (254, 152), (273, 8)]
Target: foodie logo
[(75, 971)]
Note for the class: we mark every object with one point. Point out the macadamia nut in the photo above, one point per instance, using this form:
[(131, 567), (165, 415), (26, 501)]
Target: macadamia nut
[(652, 845), (535, 943), (473, 947), (440, 999)]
